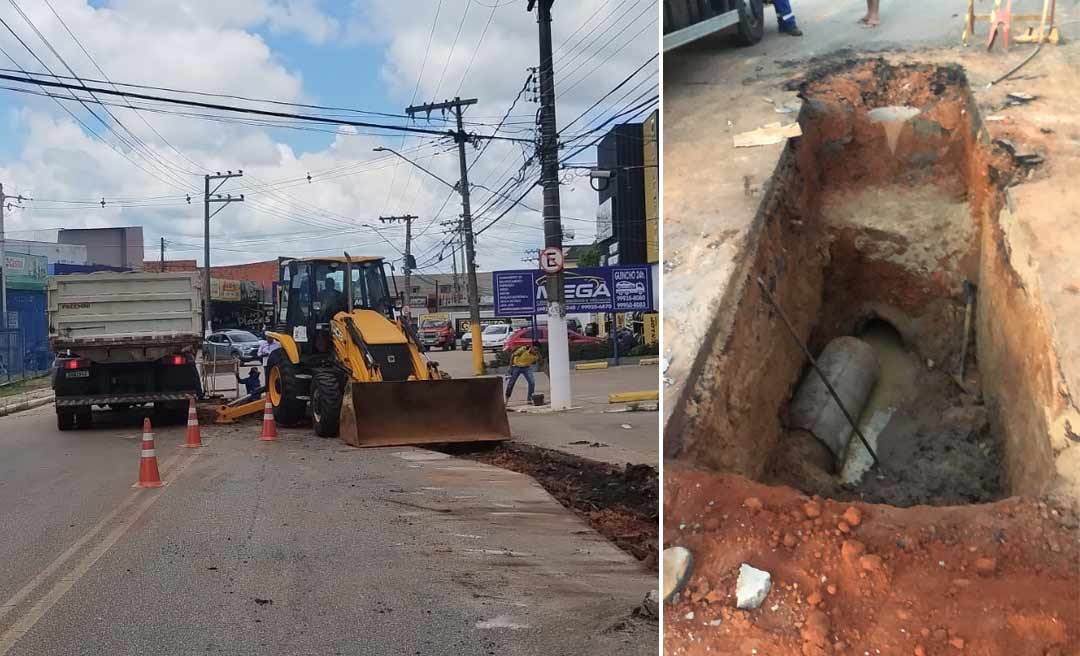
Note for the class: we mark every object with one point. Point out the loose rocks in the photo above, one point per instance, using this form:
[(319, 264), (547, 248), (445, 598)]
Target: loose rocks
[(752, 587)]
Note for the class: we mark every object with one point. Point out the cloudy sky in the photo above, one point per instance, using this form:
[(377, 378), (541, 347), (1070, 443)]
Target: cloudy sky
[(370, 57)]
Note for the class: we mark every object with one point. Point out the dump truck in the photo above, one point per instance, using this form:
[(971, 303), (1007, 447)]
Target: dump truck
[(347, 361), (689, 20), (122, 340)]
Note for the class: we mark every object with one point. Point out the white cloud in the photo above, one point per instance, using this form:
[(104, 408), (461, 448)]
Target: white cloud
[(196, 44)]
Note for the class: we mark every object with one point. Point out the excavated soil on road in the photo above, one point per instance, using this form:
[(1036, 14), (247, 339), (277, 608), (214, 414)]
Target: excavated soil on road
[(620, 503), (995, 579)]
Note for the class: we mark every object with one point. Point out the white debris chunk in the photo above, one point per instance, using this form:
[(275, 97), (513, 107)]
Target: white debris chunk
[(752, 587)]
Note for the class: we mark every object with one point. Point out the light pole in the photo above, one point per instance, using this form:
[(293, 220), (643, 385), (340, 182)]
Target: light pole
[(466, 220)]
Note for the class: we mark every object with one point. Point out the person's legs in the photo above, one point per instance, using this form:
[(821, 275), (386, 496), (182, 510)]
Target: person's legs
[(786, 17), (531, 380), (514, 373), (872, 17)]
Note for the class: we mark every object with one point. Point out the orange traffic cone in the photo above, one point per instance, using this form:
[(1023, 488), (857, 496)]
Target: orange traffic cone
[(269, 431), (194, 435), (148, 471)]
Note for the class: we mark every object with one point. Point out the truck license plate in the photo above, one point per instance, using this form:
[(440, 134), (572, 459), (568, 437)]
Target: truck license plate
[(83, 373)]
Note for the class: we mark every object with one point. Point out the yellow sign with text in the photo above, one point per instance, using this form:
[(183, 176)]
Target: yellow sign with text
[(652, 327)]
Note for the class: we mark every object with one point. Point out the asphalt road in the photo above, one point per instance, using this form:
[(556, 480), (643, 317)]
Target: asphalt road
[(303, 546)]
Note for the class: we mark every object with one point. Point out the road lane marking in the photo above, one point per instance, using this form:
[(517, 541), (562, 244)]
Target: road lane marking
[(27, 621)]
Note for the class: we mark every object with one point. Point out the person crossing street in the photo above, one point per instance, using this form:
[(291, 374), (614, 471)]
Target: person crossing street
[(521, 364)]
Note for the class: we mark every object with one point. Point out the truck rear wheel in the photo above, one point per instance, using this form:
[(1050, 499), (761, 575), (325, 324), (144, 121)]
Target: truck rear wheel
[(326, 393), (65, 419), (751, 21), (283, 388)]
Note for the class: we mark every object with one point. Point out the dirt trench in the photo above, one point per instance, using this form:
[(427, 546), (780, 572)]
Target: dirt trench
[(885, 221)]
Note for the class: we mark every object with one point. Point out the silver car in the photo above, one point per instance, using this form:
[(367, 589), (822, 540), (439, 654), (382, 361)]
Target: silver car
[(232, 345)]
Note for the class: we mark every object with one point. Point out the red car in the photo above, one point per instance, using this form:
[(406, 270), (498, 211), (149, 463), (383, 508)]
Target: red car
[(524, 337)]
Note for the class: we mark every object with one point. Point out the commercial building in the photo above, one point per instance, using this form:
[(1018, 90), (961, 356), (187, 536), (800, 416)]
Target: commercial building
[(116, 247)]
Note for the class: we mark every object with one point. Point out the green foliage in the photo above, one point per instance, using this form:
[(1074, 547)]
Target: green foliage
[(590, 257)]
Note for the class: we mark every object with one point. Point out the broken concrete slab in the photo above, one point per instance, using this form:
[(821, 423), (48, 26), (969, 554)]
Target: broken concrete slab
[(752, 587)]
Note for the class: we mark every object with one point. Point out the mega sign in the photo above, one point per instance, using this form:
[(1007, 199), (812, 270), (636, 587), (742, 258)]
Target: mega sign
[(626, 288)]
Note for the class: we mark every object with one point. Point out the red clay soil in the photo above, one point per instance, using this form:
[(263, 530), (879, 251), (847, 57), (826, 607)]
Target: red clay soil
[(1000, 579)]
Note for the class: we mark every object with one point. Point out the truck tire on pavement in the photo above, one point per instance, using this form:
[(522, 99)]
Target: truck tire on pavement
[(326, 391), (283, 387), (751, 21), (65, 419)]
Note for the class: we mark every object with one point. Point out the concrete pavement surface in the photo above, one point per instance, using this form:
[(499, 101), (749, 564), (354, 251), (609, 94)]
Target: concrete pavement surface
[(594, 428), (301, 546)]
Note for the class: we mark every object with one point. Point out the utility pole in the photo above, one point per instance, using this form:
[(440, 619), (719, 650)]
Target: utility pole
[(207, 200), (455, 228), (4, 198), (407, 219), (558, 346), (162, 255), (457, 105), (3, 263)]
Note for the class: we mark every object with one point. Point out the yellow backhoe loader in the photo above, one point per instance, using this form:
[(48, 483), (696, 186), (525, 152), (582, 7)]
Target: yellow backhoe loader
[(356, 369)]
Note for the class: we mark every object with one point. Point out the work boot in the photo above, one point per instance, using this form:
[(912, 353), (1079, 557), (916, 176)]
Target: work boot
[(791, 31)]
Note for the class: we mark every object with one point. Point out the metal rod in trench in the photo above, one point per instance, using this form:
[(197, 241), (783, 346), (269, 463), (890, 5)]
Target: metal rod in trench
[(813, 362)]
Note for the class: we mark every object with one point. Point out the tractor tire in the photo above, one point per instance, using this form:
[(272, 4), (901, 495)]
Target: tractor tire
[(326, 393), (283, 387), (751, 25)]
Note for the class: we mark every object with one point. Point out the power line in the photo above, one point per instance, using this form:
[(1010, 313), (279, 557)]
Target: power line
[(242, 110)]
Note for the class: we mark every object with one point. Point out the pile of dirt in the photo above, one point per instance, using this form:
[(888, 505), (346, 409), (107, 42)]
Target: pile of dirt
[(855, 578), (620, 503)]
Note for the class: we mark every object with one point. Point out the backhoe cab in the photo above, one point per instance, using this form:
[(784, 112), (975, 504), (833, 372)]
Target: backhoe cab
[(354, 367)]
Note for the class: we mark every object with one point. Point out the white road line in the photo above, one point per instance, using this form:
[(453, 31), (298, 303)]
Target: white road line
[(27, 621)]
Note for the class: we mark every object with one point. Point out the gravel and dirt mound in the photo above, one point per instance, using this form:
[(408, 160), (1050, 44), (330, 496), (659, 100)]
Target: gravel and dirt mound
[(1000, 579)]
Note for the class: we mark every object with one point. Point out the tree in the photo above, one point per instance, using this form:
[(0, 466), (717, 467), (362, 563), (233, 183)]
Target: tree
[(590, 257)]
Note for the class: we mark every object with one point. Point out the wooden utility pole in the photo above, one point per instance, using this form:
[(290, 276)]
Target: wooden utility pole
[(410, 264), (162, 255), (207, 200), (457, 106)]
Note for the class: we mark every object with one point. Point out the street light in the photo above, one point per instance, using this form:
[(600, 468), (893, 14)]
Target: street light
[(380, 149)]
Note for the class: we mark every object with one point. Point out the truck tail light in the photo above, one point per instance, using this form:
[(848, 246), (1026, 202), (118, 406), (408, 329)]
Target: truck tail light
[(76, 363), (176, 360)]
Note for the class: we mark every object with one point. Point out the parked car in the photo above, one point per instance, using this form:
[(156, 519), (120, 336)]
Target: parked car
[(232, 344), (437, 333), (494, 336), (525, 336)]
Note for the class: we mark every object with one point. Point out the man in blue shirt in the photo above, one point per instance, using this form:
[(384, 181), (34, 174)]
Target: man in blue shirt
[(251, 383)]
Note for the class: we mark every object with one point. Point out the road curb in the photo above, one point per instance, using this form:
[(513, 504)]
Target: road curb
[(26, 404)]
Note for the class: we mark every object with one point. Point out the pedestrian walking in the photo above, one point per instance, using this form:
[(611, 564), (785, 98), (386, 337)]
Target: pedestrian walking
[(521, 364), (786, 18), (872, 17)]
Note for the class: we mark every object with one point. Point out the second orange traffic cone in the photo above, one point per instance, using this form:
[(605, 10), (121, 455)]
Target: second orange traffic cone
[(194, 435), (269, 430), (148, 470)]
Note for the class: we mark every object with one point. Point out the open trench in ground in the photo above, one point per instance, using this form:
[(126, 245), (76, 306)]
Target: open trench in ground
[(877, 220), (880, 233)]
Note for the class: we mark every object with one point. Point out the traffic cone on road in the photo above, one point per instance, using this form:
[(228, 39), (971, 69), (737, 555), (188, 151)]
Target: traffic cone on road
[(194, 435), (269, 431), (148, 471)]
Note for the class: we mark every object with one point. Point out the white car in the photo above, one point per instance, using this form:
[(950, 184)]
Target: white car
[(494, 336)]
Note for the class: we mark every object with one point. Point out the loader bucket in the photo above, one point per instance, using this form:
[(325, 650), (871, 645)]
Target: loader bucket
[(424, 412)]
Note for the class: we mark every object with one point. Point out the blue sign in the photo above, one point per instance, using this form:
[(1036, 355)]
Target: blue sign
[(623, 288)]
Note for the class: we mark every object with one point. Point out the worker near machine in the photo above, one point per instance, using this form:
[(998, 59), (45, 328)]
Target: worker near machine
[(251, 382), (786, 18), (521, 364), (872, 17)]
